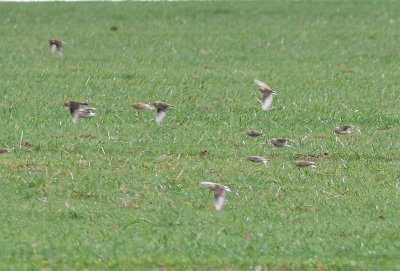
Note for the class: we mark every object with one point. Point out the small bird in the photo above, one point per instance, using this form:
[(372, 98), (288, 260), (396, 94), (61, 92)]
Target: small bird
[(161, 111), (114, 28), (280, 142), (5, 150), (267, 92), (254, 133), (77, 111), (304, 163), (56, 44), (258, 159), (219, 193), (343, 130), (142, 106)]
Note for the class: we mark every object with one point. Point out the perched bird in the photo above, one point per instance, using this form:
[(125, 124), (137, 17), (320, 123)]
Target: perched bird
[(219, 193), (161, 111), (267, 92), (253, 133), (343, 130), (304, 163), (280, 142), (77, 111), (56, 44), (142, 106), (258, 159), (5, 150)]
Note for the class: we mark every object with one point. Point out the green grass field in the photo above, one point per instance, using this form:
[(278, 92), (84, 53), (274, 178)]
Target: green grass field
[(118, 192)]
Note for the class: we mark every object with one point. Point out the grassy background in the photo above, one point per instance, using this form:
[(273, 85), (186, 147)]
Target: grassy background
[(118, 192)]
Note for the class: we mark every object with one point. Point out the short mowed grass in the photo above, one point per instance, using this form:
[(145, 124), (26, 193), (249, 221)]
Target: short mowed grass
[(118, 192)]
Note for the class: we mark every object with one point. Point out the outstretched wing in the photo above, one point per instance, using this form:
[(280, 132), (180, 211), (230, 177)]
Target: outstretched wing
[(75, 116), (261, 85), (266, 102), (219, 201), (160, 116), (53, 48)]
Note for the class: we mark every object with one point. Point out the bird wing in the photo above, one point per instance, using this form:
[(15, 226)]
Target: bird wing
[(160, 116), (75, 116), (208, 183), (261, 85), (52, 48), (219, 201), (266, 102)]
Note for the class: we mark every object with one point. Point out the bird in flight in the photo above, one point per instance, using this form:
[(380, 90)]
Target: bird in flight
[(219, 193), (79, 110), (161, 111), (267, 93), (56, 45)]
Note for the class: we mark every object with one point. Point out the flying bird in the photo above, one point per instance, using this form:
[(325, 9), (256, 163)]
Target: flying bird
[(161, 111), (79, 110), (267, 93), (56, 45), (280, 142), (254, 133), (142, 106), (343, 130), (258, 159), (219, 193), (304, 163)]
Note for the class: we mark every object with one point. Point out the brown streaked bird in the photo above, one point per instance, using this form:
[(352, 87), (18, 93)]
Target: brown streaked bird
[(258, 159), (161, 111), (5, 150), (305, 163), (219, 193), (56, 44), (254, 133), (114, 28), (280, 142), (142, 106), (343, 130), (267, 93), (77, 111)]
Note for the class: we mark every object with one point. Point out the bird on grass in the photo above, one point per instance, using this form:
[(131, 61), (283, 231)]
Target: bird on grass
[(219, 193), (5, 150), (280, 142), (343, 130), (142, 106), (258, 159), (267, 93), (305, 163), (56, 45), (79, 110), (254, 133), (161, 111)]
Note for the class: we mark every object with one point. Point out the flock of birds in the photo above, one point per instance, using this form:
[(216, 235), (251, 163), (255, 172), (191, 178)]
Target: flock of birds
[(80, 109)]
